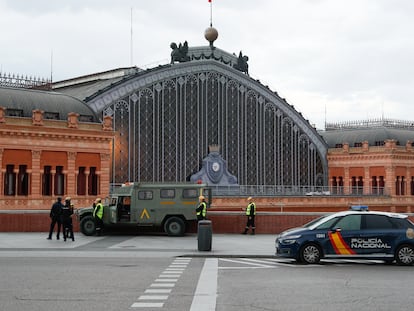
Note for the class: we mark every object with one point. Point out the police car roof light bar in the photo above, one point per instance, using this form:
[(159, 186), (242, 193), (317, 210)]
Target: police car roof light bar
[(359, 207)]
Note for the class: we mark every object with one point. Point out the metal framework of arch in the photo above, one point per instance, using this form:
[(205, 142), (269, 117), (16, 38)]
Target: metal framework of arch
[(166, 119)]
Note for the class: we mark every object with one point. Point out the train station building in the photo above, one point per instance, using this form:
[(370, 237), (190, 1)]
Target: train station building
[(81, 136)]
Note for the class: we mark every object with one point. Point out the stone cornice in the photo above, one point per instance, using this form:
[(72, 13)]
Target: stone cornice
[(52, 129), (53, 135)]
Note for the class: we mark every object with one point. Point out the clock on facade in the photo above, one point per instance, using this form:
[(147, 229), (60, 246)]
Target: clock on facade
[(216, 166)]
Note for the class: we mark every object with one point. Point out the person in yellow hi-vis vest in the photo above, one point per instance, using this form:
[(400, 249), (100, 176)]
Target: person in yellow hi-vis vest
[(98, 215), (250, 213), (201, 210)]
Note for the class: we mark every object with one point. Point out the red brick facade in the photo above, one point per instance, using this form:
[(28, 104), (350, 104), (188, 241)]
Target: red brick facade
[(43, 159), (367, 170)]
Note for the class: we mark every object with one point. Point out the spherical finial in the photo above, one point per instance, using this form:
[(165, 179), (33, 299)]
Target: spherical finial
[(211, 34)]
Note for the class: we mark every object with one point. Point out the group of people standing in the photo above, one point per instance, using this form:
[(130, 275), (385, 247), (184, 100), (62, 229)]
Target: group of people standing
[(61, 215), (201, 212)]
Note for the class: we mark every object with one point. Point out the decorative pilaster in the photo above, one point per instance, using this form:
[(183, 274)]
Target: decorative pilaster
[(53, 174), (367, 181), (365, 146), (73, 121), (37, 117), (103, 175), (107, 123), (409, 146), (408, 182), (1, 171), (87, 173), (389, 182), (2, 115), (345, 147), (347, 182), (71, 174), (36, 190)]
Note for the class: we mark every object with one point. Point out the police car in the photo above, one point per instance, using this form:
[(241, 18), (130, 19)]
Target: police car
[(357, 233)]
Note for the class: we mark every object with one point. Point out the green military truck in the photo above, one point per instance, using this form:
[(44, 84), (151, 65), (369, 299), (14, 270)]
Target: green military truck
[(170, 206)]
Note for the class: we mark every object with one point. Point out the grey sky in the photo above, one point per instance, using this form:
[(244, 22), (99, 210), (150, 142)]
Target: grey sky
[(350, 58)]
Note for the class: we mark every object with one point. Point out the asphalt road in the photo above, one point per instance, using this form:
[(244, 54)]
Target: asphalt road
[(104, 274)]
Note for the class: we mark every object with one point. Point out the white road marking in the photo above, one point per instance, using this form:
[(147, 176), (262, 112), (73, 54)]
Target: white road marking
[(153, 297), (161, 285), (147, 305), (205, 296), (243, 268), (263, 261), (166, 280), (157, 291), (253, 263), (169, 275), (246, 263)]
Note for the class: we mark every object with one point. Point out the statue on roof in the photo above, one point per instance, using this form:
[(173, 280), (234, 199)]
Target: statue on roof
[(242, 63), (179, 53)]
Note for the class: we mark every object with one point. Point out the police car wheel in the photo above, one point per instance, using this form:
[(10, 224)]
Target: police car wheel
[(87, 225), (174, 226), (405, 255), (310, 254)]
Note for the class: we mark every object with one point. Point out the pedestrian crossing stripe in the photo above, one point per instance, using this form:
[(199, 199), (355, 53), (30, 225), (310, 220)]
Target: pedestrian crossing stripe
[(157, 293), (271, 263)]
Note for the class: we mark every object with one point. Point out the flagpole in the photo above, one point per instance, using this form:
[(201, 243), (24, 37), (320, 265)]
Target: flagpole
[(211, 13), (132, 44)]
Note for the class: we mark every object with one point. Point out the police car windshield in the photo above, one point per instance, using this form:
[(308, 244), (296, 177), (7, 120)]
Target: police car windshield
[(312, 222), (323, 222)]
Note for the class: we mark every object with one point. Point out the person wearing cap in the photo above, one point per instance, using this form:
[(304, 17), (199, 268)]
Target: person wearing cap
[(250, 213), (67, 212), (98, 216), (201, 210), (55, 216)]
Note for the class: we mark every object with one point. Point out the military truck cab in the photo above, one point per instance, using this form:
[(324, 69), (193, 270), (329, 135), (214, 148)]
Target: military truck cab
[(170, 206)]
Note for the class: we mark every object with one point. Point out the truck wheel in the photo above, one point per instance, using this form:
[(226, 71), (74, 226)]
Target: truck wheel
[(174, 226), (87, 225)]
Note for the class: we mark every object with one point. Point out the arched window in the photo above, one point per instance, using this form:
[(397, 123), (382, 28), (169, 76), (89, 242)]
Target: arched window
[(92, 181), (47, 180), (340, 185), (381, 185), (23, 181), (10, 180), (357, 184), (81, 183), (59, 181)]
